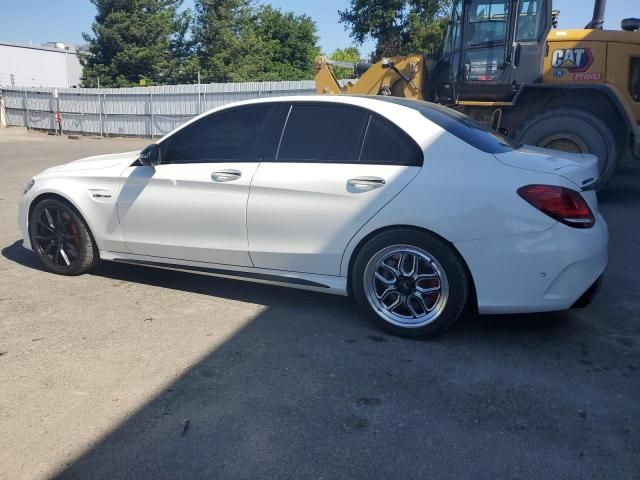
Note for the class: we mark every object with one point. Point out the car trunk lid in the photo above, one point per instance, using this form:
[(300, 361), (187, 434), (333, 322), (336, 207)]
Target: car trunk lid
[(580, 169)]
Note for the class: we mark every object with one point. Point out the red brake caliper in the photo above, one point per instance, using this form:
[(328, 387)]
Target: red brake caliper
[(76, 237)]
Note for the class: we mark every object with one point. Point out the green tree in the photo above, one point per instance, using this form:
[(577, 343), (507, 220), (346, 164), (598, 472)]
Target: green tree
[(136, 39), (350, 55), (289, 44), (238, 41), (399, 27), (218, 31)]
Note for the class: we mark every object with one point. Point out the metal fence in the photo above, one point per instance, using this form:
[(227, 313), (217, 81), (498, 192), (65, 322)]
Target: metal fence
[(139, 111)]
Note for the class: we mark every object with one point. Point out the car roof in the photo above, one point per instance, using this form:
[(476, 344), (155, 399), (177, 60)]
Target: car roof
[(370, 102), (403, 114)]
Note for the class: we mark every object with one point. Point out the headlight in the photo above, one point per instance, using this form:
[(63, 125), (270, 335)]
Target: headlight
[(28, 185)]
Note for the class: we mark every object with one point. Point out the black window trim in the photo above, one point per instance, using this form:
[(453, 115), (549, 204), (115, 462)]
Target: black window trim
[(278, 109)]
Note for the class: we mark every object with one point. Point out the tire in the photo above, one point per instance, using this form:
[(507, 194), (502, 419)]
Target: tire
[(439, 268), (579, 130), (54, 224)]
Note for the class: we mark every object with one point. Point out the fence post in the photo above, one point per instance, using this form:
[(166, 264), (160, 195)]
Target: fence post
[(106, 134), (100, 113), (151, 112), (26, 108), (100, 108), (199, 104), (3, 114)]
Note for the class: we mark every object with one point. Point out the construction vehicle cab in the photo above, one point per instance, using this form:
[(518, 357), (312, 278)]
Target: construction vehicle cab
[(491, 47), (505, 64)]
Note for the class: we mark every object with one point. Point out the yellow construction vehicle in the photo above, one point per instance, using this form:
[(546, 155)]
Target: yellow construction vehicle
[(504, 65)]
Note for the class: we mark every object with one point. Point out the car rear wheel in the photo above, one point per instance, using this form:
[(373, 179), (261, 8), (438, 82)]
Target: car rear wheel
[(61, 239), (412, 283)]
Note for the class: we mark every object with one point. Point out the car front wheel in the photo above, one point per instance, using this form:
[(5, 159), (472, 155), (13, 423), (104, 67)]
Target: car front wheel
[(60, 238), (412, 283)]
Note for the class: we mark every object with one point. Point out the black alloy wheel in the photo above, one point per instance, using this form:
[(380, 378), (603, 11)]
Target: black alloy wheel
[(60, 238)]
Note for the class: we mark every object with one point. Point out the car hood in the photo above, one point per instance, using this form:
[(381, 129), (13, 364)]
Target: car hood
[(580, 169), (96, 162)]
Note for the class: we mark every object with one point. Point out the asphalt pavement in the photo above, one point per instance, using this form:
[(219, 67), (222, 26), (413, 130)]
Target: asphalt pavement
[(130, 372)]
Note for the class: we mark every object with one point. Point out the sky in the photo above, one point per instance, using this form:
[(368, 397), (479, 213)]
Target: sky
[(39, 21)]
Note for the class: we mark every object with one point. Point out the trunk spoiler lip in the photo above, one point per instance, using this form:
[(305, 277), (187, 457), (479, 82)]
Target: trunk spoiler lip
[(572, 160)]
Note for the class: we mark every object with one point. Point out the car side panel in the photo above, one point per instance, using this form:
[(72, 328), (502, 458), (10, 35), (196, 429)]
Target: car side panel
[(462, 194), (93, 193), (179, 211), (301, 216)]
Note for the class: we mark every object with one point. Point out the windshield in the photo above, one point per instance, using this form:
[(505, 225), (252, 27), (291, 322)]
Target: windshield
[(462, 126)]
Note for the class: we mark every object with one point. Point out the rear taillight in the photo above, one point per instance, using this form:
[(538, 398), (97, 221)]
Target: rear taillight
[(563, 204)]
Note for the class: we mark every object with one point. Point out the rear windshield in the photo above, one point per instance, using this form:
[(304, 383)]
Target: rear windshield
[(462, 126)]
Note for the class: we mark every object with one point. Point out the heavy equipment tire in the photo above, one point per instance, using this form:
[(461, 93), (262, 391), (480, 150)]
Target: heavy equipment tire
[(424, 274), (577, 131)]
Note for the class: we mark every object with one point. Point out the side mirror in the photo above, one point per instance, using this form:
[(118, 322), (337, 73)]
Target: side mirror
[(150, 156)]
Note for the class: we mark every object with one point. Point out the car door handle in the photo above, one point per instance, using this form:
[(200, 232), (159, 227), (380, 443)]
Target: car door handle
[(366, 183), (226, 175)]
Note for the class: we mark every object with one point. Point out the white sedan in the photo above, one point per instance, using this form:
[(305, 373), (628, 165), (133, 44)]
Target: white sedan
[(412, 208)]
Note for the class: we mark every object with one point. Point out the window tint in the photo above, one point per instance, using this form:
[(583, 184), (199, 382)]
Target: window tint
[(468, 130), (460, 125), (386, 143), (323, 133), (487, 22), (529, 21), (228, 135)]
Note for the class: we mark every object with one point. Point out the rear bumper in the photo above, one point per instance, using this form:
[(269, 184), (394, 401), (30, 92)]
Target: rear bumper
[(546, 271), (587, 297)]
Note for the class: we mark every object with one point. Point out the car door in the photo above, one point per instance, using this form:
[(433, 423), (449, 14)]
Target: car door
[(336, 166), (193, 205)]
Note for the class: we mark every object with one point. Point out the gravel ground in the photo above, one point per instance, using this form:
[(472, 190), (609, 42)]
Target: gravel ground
[(131, 372)]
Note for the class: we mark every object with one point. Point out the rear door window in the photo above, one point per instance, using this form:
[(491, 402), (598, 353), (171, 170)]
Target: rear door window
[(385, 143), (323, 133)]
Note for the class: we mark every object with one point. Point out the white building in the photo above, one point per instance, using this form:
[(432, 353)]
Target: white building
[(53, 65)]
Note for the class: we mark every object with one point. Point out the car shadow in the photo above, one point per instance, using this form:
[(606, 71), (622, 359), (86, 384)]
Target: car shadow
[(275, 296), (309, 388)]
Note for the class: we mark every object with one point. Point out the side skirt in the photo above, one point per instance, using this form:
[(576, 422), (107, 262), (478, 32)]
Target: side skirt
[(321, 283)]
